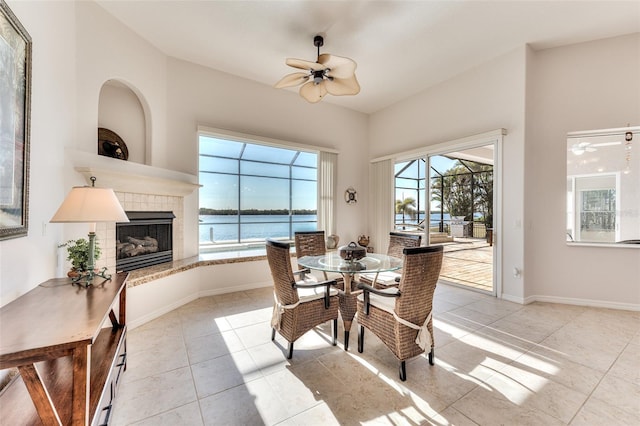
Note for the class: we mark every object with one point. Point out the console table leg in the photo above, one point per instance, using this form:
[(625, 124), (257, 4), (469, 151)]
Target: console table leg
[(39, 395), (81, 377)]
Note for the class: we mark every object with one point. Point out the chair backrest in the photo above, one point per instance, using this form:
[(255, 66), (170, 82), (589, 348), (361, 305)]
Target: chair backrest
[(279, 258), (420, 273), (310, 243), (398, 241)]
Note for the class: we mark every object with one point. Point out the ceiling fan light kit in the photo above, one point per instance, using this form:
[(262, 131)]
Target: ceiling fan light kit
[(329, 74)]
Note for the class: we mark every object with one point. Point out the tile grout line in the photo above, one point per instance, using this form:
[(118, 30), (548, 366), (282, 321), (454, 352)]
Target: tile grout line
[(600, 381)]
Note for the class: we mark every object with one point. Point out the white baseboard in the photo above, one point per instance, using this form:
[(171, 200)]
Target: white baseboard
[(514, 299), (231, 289), (572, 301), (585, 302)]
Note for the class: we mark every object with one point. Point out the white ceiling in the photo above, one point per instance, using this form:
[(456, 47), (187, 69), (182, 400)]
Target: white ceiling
[(401, 47)]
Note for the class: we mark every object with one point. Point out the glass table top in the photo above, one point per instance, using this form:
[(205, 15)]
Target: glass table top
[(332, 262)]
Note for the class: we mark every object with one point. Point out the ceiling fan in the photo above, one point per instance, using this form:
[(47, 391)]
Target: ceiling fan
[(582, 147), (329, 74)]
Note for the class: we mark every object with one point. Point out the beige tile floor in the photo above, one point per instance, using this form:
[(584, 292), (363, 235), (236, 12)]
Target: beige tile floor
[(211, 362)]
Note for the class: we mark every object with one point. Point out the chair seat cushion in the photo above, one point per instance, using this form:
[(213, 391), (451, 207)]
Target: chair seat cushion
[(308, 294), (307, 279), (385, 303), (387, 278)]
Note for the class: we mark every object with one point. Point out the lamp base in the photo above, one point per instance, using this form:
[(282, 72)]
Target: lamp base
[(85, 279)]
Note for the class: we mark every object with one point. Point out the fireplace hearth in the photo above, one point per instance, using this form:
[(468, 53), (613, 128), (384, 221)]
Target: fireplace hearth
[(146, 240)]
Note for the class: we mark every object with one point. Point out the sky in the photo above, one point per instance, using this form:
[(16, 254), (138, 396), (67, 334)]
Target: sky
[(269, 187)]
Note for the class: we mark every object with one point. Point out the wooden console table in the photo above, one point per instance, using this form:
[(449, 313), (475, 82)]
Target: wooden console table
[(69, 364)]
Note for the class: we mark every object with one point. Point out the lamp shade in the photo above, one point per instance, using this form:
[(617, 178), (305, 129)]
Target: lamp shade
[(90, 204)]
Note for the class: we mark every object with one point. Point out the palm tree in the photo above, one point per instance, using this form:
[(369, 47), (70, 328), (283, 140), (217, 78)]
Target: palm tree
[(406, 206), (453, 190)]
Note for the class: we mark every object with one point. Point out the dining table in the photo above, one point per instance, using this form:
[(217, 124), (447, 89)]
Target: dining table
[(332, 262)]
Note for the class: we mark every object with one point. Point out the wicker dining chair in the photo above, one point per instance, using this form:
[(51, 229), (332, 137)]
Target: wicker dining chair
[(397, 242), (401, 317), (312, 243), (299, 305)]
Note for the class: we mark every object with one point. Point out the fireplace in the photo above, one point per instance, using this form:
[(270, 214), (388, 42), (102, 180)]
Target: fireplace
[(147, 239)]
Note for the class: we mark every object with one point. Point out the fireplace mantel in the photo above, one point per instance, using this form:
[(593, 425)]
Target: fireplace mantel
[(124, 176)]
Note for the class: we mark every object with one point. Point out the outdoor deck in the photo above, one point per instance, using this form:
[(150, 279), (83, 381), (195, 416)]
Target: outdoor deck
[(468, 262)]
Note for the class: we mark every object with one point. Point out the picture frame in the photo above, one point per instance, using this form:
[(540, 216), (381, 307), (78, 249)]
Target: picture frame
[(15, 111)]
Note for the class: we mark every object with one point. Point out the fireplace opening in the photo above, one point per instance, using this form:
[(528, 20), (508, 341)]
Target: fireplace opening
[(146, 240)]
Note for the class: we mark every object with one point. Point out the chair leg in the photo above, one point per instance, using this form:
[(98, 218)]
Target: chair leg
[(431, 355), (361, 339), (273, 334), (346, 340), (290, 350), (403, 371), (335, 332)]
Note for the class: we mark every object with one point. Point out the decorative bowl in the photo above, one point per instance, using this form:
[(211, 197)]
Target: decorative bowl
[(352, 252)]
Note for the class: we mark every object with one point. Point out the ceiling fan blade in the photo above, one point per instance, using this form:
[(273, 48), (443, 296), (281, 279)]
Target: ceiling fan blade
[(343, 86), (292, 80), (340, 66), (304, 65), (313, 92)]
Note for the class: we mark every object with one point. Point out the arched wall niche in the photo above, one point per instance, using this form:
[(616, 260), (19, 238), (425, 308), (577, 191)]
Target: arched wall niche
[(123, 110)]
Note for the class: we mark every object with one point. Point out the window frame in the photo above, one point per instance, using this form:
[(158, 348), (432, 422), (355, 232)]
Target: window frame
[(238, 243)]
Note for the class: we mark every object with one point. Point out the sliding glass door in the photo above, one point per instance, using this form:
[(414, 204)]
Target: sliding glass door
[(461, 206)]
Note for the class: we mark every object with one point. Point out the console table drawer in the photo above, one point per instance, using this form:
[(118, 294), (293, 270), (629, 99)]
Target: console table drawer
[(104, 408)]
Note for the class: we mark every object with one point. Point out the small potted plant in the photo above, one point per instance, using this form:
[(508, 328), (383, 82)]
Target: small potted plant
[(78, 254)]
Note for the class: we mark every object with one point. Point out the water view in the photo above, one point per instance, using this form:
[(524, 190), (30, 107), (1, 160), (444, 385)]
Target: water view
[(225, 228)]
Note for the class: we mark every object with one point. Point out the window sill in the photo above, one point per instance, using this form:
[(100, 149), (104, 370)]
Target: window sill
[(151, 273)]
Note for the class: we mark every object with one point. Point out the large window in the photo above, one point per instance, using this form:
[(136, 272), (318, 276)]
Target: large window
[(251, 192)]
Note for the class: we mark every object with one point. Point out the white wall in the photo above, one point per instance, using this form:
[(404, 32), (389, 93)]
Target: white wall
[(77, 48), (151, 300), (486, 98), (538, 97), (201, 96), (120, 111), (26, 262), (586, 86), (108, 50)]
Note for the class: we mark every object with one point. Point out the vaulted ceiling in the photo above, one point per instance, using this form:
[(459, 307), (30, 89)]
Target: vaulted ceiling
[(401, 47)]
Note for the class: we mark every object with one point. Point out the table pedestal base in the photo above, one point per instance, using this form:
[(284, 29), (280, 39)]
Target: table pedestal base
[(347, 295), (348, 308)]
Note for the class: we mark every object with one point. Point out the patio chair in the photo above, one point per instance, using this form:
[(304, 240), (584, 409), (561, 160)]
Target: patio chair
[(312, 243), (401, 317), (299, 305), (397, 242)]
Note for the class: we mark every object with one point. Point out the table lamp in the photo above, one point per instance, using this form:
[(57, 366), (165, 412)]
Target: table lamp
[(90, 204)]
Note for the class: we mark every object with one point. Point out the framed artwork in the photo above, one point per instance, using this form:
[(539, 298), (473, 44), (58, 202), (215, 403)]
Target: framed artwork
[(15, 107)]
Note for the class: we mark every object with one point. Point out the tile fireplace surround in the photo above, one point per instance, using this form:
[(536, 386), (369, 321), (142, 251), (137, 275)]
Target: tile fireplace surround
[(139, 187), (106, 232)]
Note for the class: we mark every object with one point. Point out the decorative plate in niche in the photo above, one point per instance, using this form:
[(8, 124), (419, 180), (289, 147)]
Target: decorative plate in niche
[(111, 145)]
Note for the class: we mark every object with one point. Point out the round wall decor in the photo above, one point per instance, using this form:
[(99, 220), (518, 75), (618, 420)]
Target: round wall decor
[(350, 196)]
